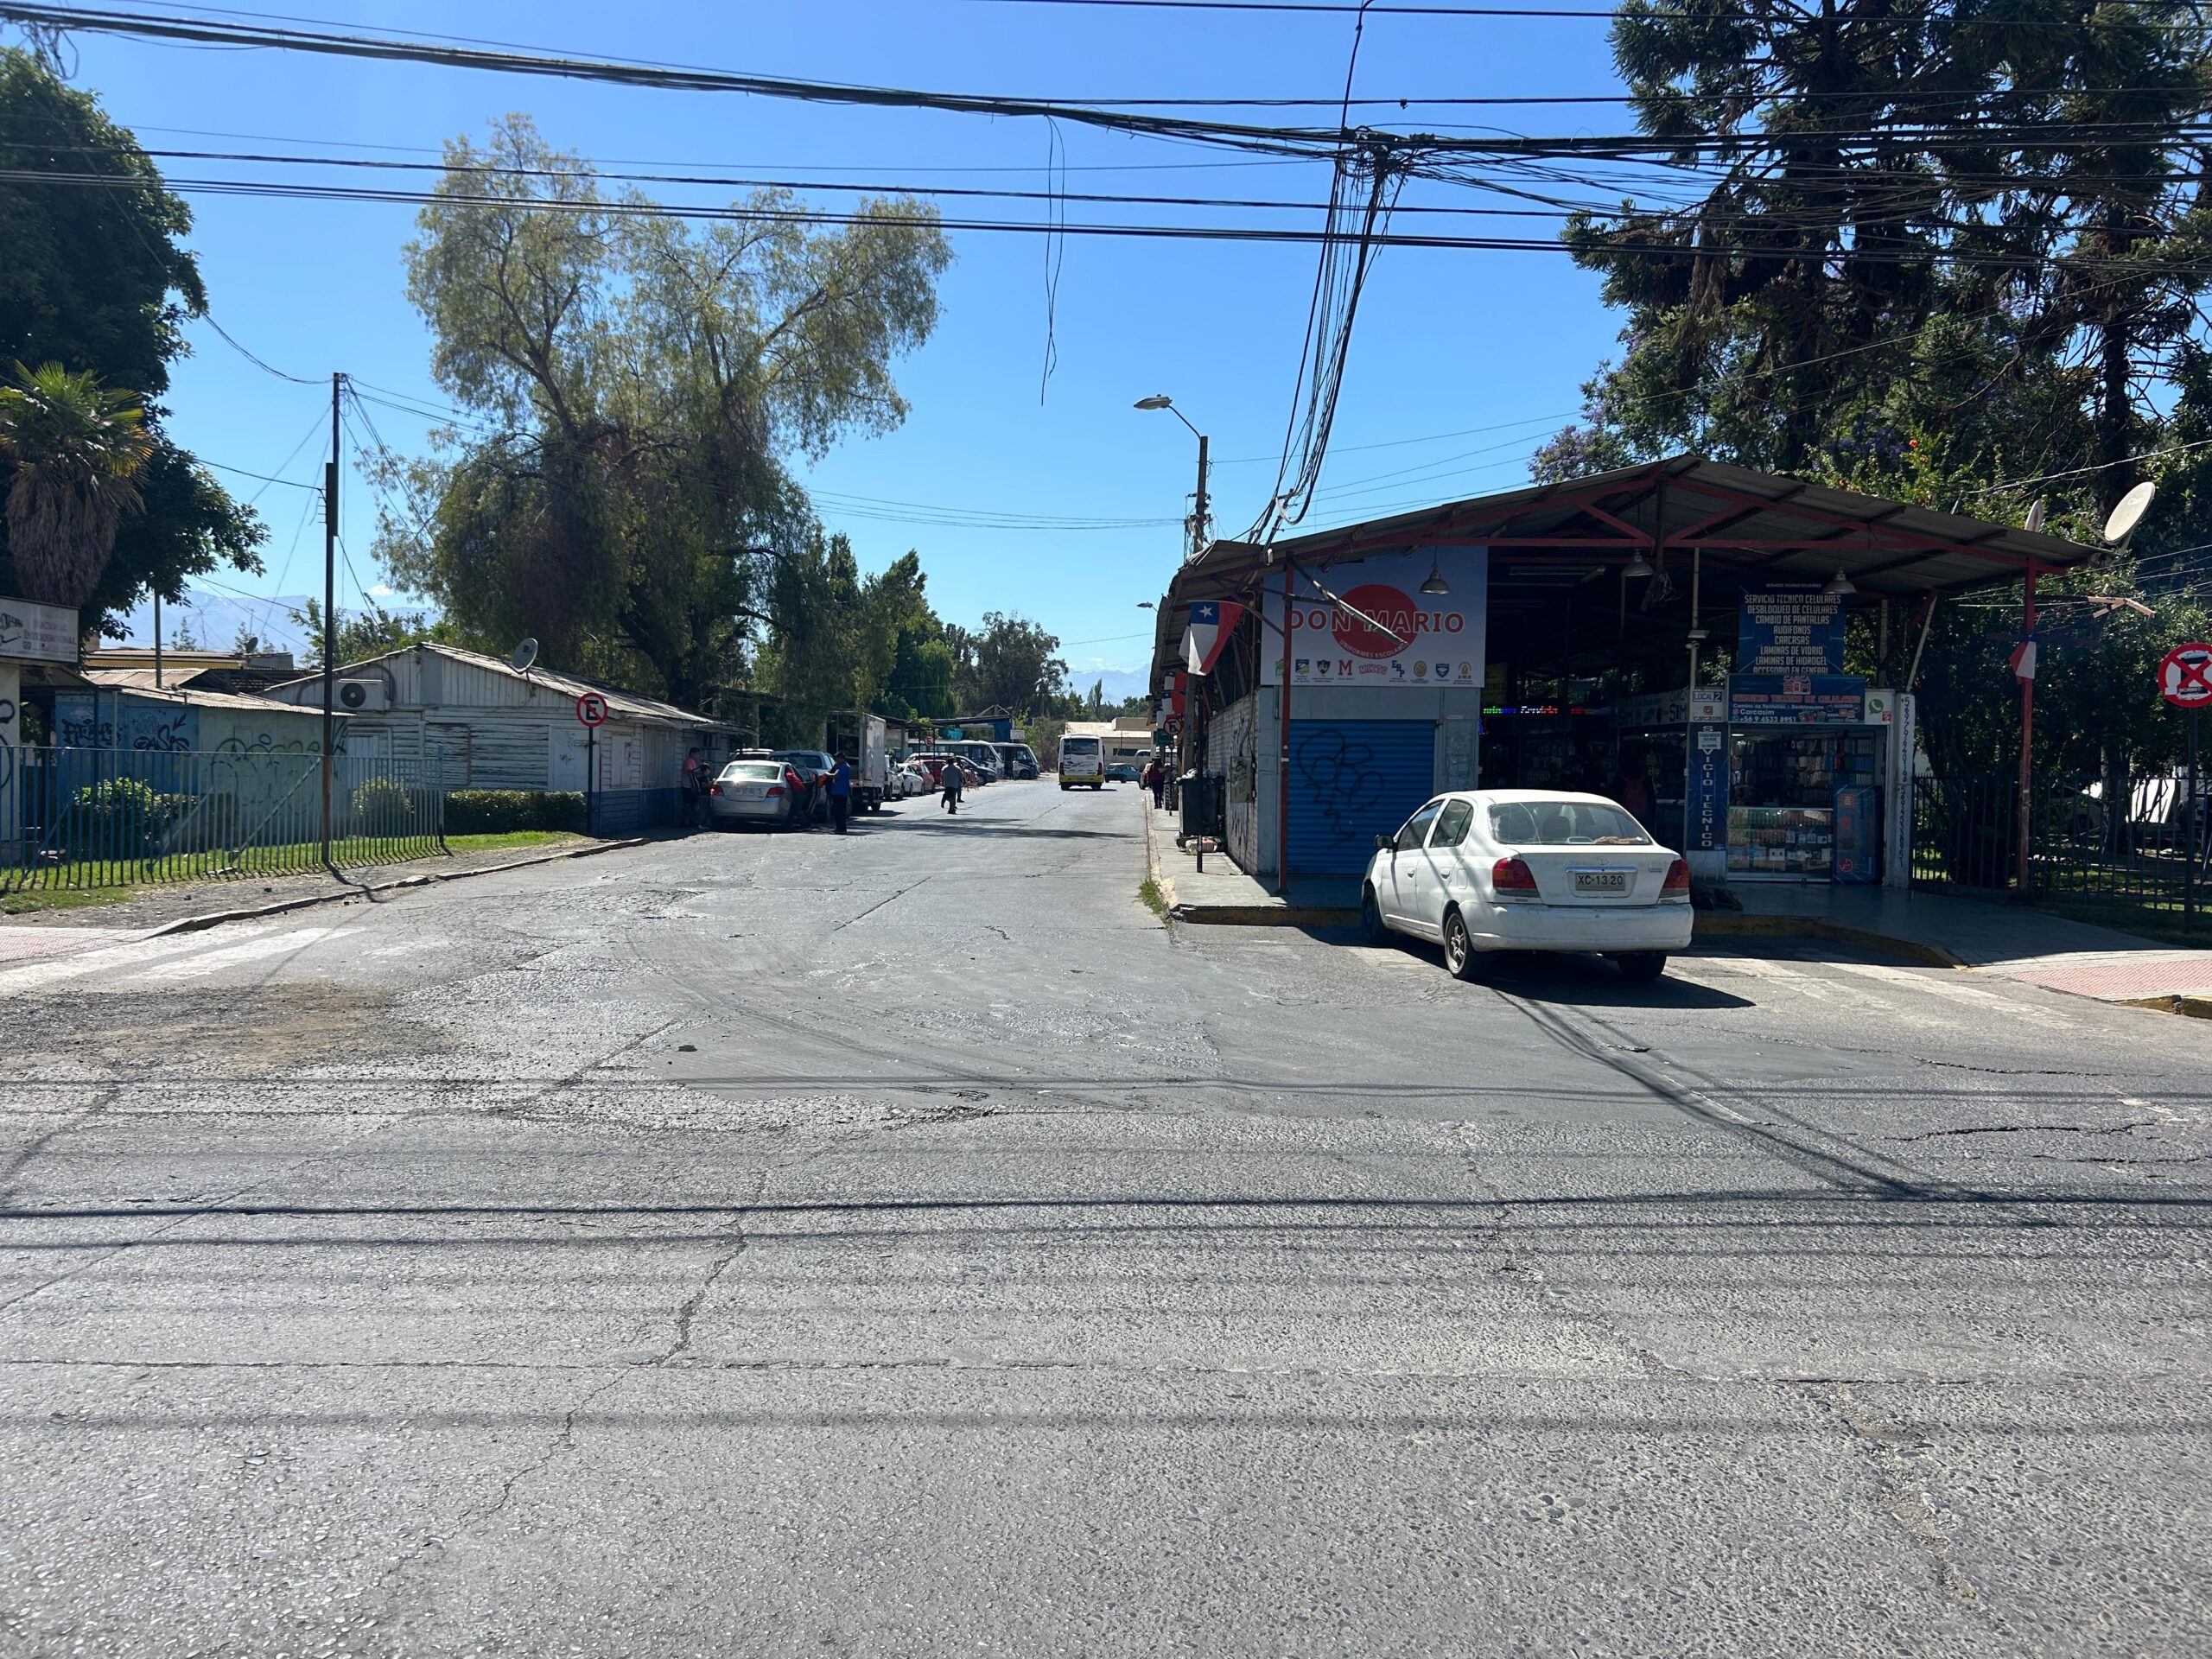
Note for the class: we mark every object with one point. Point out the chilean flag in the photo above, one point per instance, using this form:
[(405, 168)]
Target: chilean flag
[(1211, 623), (2023, 658)]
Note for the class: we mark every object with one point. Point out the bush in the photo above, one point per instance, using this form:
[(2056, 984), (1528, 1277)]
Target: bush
[(501, 812), (118, 817), (383, 803)]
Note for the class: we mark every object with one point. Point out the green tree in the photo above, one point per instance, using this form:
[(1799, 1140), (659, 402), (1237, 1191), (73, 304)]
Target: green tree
[(1010, 663), (369, 632), (1896, 252), (95, 278), (640, 379), (74, 450)]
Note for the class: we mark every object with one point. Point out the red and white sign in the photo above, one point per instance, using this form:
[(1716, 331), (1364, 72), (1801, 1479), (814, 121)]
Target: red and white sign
[(591, 708), (1374, 626), (2185, 677)]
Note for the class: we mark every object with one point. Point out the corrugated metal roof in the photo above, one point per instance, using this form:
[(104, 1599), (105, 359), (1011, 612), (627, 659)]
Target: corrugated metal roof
[(139, 683), (620, 703), (1748, 526)]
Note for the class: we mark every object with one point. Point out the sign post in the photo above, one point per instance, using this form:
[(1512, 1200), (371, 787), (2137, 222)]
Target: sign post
[(2185, 681), (591, 711)]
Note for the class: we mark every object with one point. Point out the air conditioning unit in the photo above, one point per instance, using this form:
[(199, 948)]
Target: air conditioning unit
[(363, 696)]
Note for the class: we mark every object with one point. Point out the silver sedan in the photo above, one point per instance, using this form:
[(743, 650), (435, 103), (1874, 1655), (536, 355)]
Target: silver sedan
[(751, 791)]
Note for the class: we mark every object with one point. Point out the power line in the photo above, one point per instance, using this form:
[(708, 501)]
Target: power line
[(426, 50)]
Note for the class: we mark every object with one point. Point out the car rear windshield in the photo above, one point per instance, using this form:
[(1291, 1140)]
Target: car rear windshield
[(753, 772), (1079, 745), (1564, 824)]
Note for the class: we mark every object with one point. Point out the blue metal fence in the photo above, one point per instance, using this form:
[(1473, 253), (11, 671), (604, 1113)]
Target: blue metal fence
[(92, 817)]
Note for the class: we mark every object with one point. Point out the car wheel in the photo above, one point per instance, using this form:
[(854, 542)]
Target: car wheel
[(1642, 967), (1370, 918), (1459, 953)]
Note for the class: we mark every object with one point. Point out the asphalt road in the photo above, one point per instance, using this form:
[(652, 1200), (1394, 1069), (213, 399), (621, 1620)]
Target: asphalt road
[(907, 1245)]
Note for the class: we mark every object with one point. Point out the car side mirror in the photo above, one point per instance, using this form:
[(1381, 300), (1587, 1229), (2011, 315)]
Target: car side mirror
[(1383, 844)]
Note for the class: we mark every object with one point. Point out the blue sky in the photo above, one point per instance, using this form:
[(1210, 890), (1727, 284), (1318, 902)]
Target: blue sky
[(1490, 346)]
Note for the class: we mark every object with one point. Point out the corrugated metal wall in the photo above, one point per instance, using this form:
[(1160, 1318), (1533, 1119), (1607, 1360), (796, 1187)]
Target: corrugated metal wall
[(1352, 781), (1234, 743)]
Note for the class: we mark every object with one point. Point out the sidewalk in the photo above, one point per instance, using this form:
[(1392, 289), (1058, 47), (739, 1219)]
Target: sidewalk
[(183, 907), (1223, 895), (2019, 942)]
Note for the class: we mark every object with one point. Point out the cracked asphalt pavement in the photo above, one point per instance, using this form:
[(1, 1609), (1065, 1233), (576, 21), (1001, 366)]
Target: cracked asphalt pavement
[(905, 1244)]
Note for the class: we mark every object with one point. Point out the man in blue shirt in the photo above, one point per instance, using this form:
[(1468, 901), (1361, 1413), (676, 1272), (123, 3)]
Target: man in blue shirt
[(841, 794)]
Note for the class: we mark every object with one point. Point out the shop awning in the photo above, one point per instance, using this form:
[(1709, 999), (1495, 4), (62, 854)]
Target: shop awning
[(1747, 527)]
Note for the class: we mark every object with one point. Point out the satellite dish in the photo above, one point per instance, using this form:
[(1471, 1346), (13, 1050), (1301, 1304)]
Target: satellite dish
[(2129, 513), (2034, 526), (526, 654)]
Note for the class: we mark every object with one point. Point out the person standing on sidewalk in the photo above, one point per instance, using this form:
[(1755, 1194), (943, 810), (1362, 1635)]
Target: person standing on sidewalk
[(841, 795), (694, 799), (953, 781), (1155, 779)]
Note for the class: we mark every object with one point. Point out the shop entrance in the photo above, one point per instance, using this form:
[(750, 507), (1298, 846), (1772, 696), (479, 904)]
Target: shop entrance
[(1804, 804)]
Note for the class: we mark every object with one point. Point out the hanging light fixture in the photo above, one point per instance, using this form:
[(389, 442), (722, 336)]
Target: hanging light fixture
[(1839, 585), (1436, 584), (1638, 566)]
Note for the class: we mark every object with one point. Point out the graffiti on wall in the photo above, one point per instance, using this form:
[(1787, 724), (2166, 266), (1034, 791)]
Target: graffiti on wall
[(1340, 775)]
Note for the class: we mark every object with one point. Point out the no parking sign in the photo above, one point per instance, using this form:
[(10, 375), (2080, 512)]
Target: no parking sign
[(591, 708), (2185, 677)]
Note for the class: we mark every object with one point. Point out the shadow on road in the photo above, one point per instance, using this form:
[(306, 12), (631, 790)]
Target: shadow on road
[(1582, 981)]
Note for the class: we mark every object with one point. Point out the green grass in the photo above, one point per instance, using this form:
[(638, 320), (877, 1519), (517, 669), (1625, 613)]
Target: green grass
[(512, 838), (26, 904), (1154, 900), (121, 879)]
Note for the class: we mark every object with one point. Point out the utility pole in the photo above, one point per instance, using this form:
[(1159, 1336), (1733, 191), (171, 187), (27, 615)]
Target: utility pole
[(157, 638), (1199, 518), (329, 610)]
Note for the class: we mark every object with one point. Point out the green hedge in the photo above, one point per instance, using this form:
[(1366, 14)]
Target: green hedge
[(497, 811)]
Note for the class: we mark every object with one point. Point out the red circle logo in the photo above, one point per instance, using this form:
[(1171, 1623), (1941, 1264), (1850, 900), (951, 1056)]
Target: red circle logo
[(1386, 605)]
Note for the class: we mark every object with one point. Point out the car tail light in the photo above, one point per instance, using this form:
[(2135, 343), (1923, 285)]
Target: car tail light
[(1677, 884), (775, 792), (1512, 875), (714, 789)]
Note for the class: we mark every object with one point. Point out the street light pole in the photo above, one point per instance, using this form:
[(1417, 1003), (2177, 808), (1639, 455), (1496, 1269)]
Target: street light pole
[(1160, 400)]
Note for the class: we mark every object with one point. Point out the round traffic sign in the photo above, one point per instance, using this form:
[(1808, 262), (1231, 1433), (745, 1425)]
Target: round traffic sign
[(591, 708), (2185, 677)]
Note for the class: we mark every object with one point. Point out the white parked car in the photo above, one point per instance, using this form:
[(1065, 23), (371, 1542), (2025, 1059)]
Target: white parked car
[(912, 780), (1529, 869)]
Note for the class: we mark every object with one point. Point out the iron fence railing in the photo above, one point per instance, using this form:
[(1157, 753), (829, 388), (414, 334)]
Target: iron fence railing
[(2134, 837), (86, 818)]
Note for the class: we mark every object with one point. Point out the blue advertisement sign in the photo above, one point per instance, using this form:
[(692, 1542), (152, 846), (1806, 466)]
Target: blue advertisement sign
[(1789, 628), (1796, 700), (1708, 826)]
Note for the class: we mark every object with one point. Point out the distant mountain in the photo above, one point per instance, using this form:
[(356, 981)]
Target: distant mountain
[(215, 620)]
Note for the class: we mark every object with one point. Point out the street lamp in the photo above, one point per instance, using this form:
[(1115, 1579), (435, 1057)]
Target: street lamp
[(1161, 400)]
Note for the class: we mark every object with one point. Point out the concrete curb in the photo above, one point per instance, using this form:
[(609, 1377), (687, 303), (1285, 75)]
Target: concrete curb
[(1263, 916), (1159, 876), (1714, 924), (200, 924), (2193, 1007)]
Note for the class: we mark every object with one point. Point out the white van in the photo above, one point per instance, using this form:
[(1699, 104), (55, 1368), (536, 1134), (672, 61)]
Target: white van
[(1083, 760)]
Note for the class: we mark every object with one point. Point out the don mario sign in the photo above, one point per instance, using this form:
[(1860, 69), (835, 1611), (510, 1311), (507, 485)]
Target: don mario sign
[(1369, 624)]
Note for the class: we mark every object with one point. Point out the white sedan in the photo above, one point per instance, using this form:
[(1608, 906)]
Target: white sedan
[(1529, 869)]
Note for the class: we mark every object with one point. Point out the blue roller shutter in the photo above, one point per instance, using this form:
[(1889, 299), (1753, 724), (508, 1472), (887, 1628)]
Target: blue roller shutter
[(1350, 781)]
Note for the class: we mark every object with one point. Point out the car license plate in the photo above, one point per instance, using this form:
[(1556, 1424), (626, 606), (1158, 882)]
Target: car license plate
[(1601, 880), (753, 792)]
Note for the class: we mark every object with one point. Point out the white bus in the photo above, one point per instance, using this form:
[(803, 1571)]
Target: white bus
[(1083, 760)]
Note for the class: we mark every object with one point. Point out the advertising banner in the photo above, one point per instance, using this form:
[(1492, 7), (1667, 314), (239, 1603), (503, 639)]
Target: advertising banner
[(1796, 700), (1438, 637), (1709, 825), (1790, 629), (36, 634)]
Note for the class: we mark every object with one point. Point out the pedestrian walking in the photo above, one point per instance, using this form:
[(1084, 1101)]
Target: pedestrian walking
[(1155, 779), (841, 795), (951, 779)]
